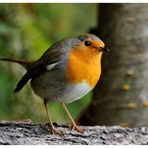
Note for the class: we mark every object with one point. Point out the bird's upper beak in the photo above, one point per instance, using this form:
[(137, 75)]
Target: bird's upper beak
[(103, 49), (100, 46)]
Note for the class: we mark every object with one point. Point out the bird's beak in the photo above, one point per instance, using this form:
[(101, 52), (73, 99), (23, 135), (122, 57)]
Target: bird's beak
[(103, 49)]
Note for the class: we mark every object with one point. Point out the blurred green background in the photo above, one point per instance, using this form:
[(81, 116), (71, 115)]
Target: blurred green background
[(26, 31)]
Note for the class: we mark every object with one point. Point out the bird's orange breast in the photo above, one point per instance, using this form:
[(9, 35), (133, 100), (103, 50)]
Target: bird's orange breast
[(83, 66)]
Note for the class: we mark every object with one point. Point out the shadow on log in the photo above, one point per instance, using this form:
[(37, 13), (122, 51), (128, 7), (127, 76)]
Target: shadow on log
[(24, 133)]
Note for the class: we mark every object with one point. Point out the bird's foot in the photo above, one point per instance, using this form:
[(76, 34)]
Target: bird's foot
[(75, 127), (54, 131)]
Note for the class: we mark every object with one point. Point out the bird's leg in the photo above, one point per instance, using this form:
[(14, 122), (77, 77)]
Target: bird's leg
[(73, 124), (50, 125)]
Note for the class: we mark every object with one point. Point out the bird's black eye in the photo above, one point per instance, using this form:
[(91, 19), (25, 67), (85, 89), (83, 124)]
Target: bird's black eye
[(87, 43)]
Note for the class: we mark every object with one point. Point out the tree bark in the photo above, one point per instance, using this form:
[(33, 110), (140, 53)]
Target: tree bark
[(121, 96), (23, 133)]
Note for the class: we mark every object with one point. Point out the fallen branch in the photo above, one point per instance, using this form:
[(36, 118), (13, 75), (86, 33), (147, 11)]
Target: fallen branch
[(29, 133)]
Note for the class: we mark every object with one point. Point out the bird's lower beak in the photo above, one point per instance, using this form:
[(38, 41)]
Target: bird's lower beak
[(104, 49)]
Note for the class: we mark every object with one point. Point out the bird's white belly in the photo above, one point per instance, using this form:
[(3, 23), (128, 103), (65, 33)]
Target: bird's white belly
[(74, 92), (58, 91)]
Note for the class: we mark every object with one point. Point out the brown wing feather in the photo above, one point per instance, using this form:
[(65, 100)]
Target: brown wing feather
[(31, 74), (34, 69)]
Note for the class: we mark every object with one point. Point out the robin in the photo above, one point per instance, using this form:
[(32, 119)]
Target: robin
[(67, 71)]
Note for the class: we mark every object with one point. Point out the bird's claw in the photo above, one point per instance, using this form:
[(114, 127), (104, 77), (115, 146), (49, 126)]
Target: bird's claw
[(54, 130), (75, 127)]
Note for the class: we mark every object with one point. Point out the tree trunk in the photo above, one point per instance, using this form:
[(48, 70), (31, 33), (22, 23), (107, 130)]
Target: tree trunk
[(121, 96)]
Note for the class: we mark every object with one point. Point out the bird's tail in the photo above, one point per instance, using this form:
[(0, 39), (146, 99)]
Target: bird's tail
[(26, 64)]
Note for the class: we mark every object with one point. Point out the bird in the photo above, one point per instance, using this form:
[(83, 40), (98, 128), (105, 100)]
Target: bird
[(66, 72)]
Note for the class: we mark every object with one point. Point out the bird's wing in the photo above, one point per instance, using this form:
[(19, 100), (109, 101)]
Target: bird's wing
[(49, 61), (34, 72)]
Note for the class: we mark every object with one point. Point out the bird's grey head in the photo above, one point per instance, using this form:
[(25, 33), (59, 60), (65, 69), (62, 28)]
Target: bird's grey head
[(69, 43), (88, 36)]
